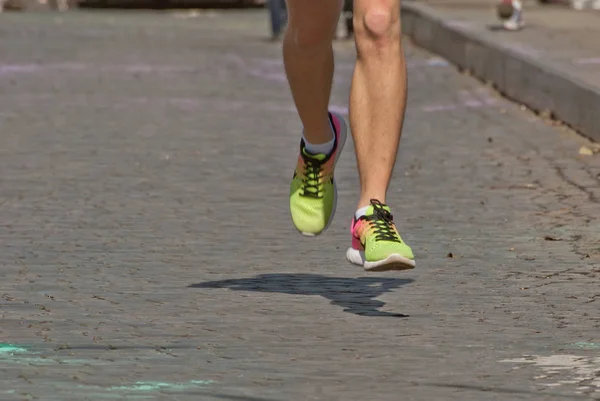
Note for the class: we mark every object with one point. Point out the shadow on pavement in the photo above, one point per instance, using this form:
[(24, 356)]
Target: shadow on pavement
[(499, 390), (228, 397), (355, 295)]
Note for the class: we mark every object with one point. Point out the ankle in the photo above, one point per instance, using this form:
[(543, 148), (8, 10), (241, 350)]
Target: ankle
[(321, 143), (360, 211), (365, 201), (318, 137)]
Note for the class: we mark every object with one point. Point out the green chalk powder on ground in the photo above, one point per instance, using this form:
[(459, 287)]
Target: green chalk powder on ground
[(586, 345), (11, 349), (139, 390), (11, 353), (157, 386)]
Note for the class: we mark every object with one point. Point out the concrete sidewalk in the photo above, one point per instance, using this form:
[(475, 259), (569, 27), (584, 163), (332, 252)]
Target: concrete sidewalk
[(551, 66)]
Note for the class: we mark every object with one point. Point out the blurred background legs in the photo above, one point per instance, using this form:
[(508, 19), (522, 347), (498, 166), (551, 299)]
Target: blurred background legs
[(348, 15), (25, 5), (278, 14)]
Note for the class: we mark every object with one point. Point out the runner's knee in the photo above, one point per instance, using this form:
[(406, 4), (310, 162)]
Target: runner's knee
[(378, 24), (378, 21)]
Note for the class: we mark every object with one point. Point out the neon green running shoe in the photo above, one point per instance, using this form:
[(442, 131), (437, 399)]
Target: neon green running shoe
[(376, 244), (313, 194)]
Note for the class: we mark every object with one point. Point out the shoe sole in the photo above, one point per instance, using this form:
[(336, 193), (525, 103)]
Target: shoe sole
[(392, 262), (340, 147)]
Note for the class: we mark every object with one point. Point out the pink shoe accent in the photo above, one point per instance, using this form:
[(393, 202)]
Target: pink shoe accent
[(337, 125), (354, 232)]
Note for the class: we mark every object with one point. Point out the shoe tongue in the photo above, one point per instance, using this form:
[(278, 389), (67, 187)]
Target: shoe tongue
[(319, 156), (371, 210)]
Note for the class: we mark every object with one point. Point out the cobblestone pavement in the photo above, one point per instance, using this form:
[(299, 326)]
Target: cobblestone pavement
[(147, 251)]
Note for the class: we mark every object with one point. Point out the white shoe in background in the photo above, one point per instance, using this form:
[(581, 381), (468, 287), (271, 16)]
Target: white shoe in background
[(515, 22), (585, 4)]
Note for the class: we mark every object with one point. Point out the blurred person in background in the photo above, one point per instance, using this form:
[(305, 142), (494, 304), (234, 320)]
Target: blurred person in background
[(348, 16), (278, 14)]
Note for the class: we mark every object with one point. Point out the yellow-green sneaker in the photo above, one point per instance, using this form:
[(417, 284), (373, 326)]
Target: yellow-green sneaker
[(313, 194), (376, 244)]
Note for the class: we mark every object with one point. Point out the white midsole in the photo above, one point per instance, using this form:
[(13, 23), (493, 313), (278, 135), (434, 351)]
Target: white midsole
[(358, 258)]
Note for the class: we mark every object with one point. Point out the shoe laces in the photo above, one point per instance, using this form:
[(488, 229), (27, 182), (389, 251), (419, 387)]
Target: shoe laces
[(312, 187), (382, 222)]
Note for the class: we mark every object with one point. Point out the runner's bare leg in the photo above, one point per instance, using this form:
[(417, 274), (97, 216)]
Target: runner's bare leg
[(308, 59), (378, 94)]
